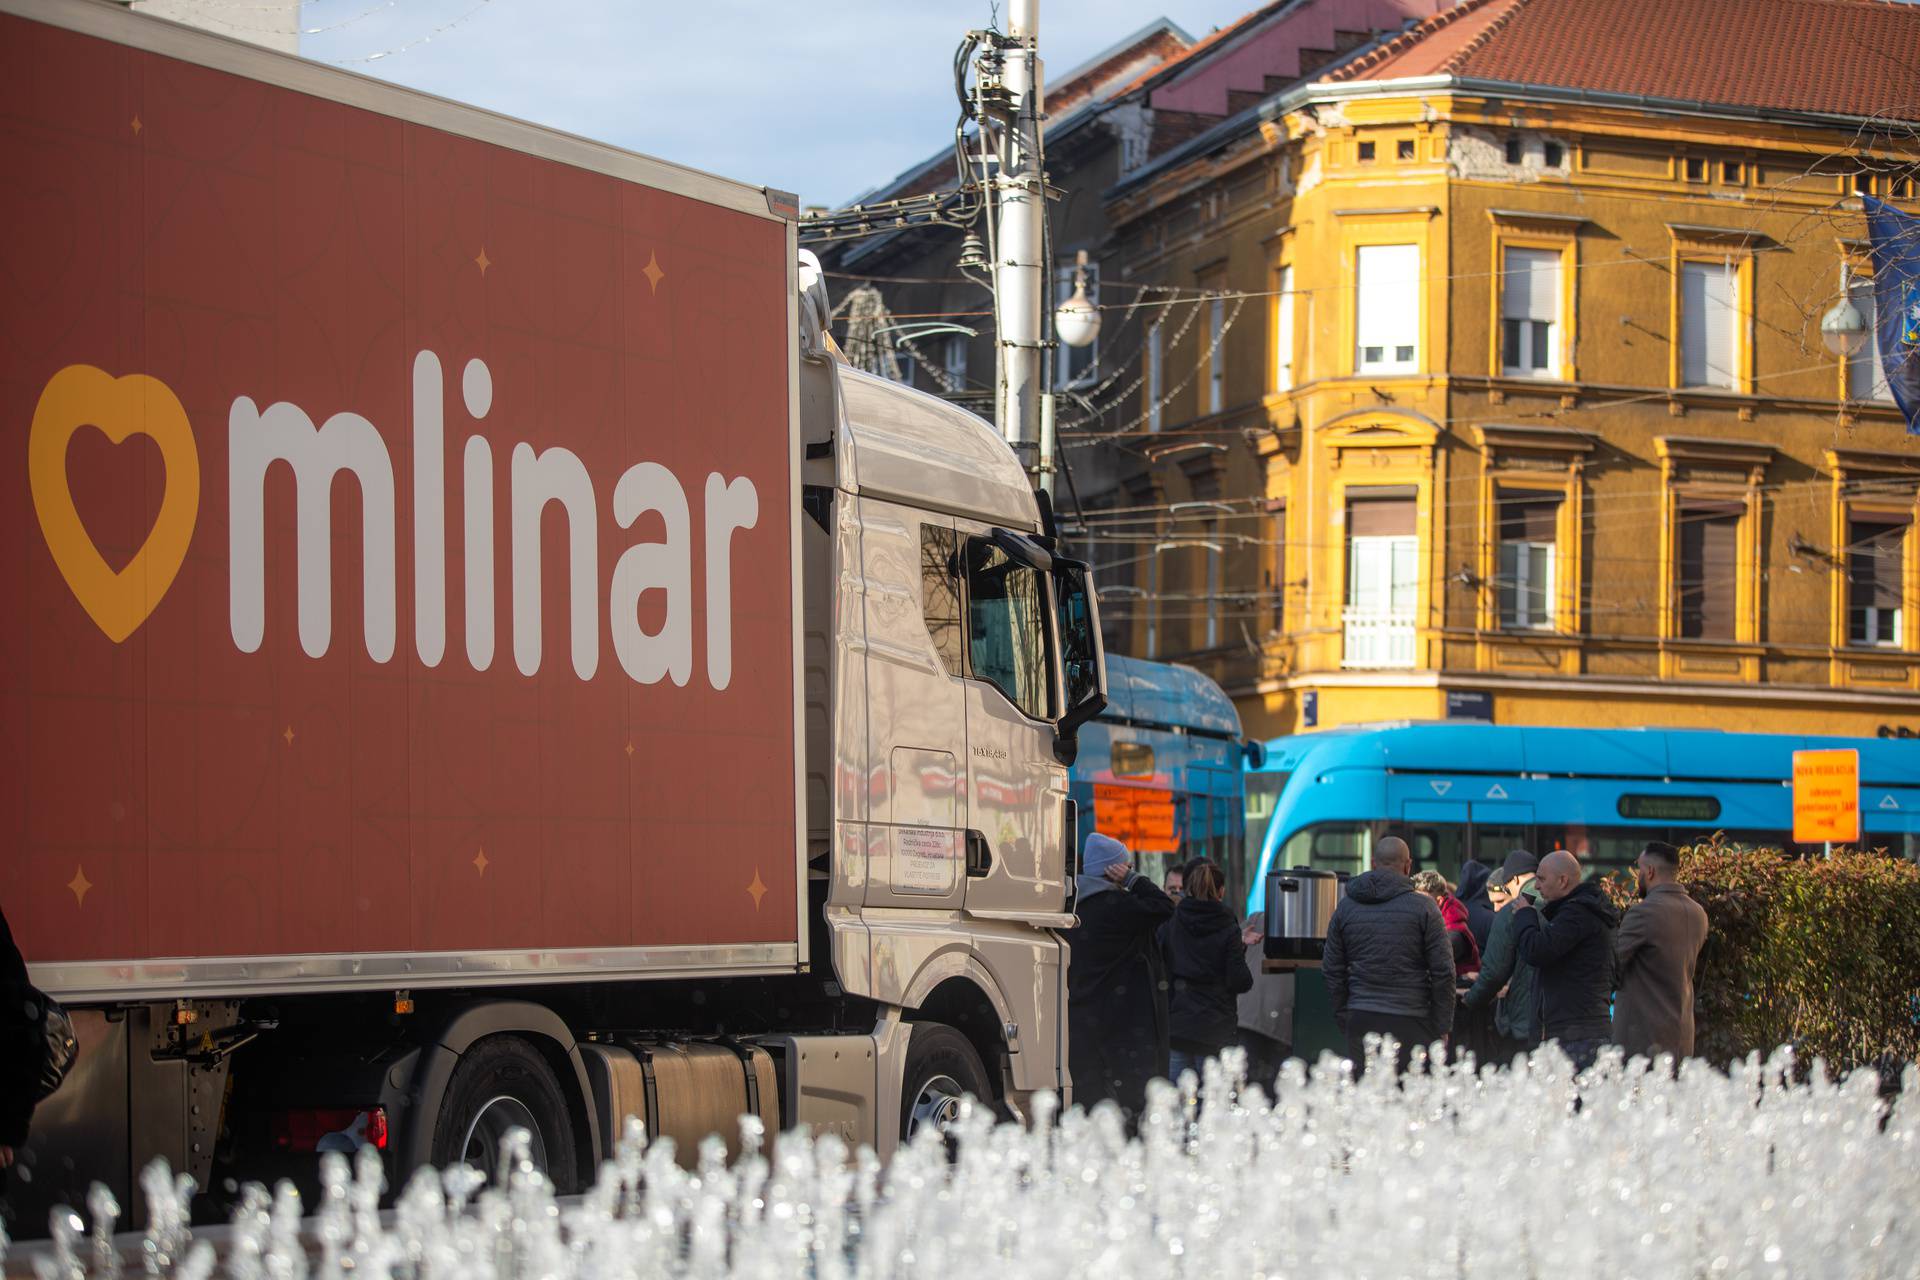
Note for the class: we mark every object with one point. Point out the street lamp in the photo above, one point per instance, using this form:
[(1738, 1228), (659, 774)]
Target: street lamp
[(1077, 322), (1844, 329)]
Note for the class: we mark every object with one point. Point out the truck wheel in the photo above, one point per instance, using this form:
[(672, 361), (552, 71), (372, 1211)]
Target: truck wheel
[(504, 1083), (942, 1068)]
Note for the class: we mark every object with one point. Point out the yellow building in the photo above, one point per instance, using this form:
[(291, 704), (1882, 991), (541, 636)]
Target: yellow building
[(1488, 379)]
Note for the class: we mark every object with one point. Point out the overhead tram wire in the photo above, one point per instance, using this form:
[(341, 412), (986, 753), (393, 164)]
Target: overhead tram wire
[(428, 38)]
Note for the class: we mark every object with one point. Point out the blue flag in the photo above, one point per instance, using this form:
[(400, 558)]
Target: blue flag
[(1896, 301)]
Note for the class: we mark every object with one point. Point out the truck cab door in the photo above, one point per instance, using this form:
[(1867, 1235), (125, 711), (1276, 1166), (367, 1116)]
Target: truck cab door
[(1016, 788), (916, 715)]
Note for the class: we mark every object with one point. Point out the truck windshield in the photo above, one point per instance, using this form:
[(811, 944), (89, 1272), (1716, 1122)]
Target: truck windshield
[(1006, 640)]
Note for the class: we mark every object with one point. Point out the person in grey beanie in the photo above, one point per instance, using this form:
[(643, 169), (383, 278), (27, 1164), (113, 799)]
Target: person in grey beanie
[(1116, 980)]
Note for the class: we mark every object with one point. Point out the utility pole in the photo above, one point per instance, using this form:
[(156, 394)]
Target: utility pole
[(1020, 274)]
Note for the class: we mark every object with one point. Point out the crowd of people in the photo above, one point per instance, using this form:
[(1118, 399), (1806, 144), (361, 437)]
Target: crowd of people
[(1534, 952), (1164, 976)]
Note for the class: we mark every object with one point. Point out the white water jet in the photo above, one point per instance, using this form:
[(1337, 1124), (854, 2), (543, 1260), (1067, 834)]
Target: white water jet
[(1629, 1170)]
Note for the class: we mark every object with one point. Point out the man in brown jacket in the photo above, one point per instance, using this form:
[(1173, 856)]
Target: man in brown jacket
[(1655, 951)]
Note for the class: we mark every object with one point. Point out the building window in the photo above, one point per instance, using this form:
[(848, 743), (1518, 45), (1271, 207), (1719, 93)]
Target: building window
[(1073, 366), (1553, 153), (1513, 148), (1386, 308), (1283, 304), (1153, 377), (1529, 538), (1116, 577), (1403, 149), (1530, 313), (1216, 556), (1696, 169), (955, 362), (1383, 578), (1707, 570), (1276, 574), (940, 594), (1866, 377), (1366, 153), (1732, 172), (1709, 353), (1216, 355), (1150, 602), (1876, 580)]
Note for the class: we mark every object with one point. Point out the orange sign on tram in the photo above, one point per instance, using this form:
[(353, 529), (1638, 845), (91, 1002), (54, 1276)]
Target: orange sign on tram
[(1142, 818), (1826, 797)]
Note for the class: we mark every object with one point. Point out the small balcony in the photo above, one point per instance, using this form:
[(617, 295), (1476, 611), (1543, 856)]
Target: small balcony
[(1376, 640)]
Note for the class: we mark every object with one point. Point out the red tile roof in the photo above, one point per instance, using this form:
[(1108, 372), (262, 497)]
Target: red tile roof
[(1846, 57), (1199, 48)]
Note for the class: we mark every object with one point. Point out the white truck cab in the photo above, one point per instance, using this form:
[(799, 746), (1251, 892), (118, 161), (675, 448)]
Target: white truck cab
[(949, 664)]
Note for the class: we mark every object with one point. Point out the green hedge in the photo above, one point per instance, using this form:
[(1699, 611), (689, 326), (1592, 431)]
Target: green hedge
[(1822, 954)]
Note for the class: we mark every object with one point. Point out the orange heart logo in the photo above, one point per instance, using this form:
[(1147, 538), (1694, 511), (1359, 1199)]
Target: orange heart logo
[(81, 395)]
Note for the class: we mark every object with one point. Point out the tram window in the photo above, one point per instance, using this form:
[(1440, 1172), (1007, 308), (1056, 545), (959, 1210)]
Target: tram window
[(1330, 846), (1492, 844), (1602, 848), (1263, 794), (1441, 848), (1132, 759)]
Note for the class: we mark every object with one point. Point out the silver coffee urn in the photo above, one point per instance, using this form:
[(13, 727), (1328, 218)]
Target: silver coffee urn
[(1300, 903)]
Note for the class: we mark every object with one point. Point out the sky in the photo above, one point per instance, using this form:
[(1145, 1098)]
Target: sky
[(824, 100)]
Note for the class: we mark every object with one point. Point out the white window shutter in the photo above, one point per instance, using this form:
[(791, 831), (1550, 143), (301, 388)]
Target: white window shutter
[(1707, 309), (1530, 285), (1387, 306), (1866, 378)]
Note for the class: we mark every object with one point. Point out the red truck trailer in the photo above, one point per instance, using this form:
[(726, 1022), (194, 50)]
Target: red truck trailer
[(404, 733)]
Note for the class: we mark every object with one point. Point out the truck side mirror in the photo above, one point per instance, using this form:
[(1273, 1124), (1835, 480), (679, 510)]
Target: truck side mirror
[(1083, 665)]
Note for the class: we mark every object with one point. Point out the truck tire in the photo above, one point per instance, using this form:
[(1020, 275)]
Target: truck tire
[(942, 1068), (503, 1083)]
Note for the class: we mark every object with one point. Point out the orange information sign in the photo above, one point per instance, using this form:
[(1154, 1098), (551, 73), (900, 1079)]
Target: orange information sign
[(1826, 796), (1142, 818)]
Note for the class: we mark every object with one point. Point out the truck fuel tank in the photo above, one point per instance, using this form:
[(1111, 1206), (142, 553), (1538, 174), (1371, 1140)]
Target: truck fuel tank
[(682, 1090)]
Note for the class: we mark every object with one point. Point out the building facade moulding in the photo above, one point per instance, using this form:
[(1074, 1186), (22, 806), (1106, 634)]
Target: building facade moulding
[(1684, 457), (1553, 446), (1687, 235), (1377, 428), (1537, 220)]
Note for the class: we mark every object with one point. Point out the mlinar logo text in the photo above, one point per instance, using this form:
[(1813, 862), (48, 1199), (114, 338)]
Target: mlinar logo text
[(119, 602)]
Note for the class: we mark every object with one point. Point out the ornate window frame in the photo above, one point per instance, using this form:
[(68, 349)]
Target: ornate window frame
[(1717, 246), (1867, 483), (1702, 469), (1555, 233)]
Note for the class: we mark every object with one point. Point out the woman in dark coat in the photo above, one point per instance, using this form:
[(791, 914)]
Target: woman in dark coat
[(1207, 963), (1116, 987), (1473, 895)]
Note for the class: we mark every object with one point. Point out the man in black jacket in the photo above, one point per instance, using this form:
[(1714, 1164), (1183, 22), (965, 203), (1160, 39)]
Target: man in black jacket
[(1388, 963), (1570, 943), (1116, 981)]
